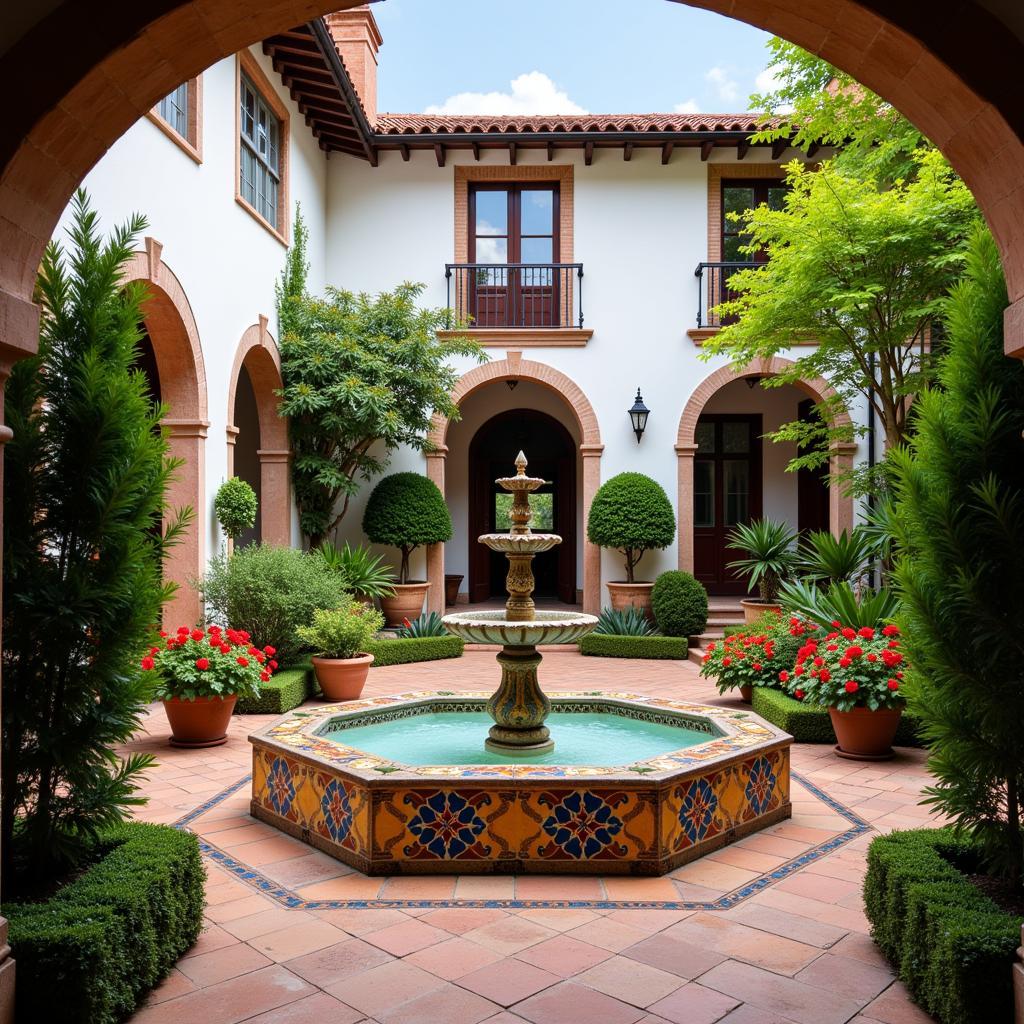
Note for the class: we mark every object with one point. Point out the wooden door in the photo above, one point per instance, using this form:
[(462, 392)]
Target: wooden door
[(812, 484), (727, 491)]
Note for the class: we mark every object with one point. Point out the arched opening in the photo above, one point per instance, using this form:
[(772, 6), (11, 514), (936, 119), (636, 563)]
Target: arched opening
[(257, 436)]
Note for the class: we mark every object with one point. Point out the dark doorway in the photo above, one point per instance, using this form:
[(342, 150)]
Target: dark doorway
[(727, 490), (552, 454), (812, 484), (247, 448)]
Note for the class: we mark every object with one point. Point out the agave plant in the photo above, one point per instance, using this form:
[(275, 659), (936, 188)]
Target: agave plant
[(629, 621), (427, 624), (366, 574), (839, 603), (771, 557), (843, 559)]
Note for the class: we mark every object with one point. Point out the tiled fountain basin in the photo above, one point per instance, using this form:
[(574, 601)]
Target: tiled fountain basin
[(648, 817)]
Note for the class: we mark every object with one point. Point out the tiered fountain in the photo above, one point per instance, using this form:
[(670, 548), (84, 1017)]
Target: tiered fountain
[(519, 706)]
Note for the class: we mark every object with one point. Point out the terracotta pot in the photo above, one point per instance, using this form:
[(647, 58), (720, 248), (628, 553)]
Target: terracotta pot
[(746, 694), (865, 735), (636, 594), (405, 603), (202, 722), (342, 678), (753, 610), (452, 582)]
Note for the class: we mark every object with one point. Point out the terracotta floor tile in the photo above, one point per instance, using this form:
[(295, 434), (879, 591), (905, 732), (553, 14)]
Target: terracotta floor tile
[(710, 931), (383, 988), (668, 953), (267, 851), (509, 935), (347, 887), (508, 981), (297, 940), (231, 839), (332, 964), (626, 888), (453, 958), (316, 1009), (894, 1006), (407, 937), (748, 1014), (714, 875), (360, 920), (557, 919), (459, 920), (418, 887), (563, 955), (246, 906), (174, 985), (225, 891), (558, 887), (448, 1005), (694, 1004), (778, 922), (860, 947), (819, 887), (569, 1003), (629, 980), (485, 887), (611, 935), (740, 857), (847, 976), (649, 921), (305, 870), (210, 938), (221, 964), (270, 919)]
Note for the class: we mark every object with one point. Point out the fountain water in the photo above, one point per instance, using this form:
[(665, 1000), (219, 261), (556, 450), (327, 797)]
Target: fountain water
[(519, 706)]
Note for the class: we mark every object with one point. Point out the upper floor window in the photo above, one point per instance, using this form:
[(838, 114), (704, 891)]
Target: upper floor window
[(173, 108), (738, 196), (179, 116)]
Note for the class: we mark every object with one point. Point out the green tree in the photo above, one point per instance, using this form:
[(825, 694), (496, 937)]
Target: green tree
[(363, 375), (959, 517), (860, 270), (235, 507), (86, 478)]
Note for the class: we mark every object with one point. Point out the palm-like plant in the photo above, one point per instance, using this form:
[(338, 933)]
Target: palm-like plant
[(839, 603), (366, 574), (629, 621), (843, 559), (771, 556)]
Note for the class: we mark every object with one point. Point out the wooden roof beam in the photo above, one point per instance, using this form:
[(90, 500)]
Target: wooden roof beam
[(551, 151), (512, 154), (404, 150), (588, 152), (476, 151), (627, 151), (666, 152), (439, 155), (705, 150), (812, 149), (779, 146), (742, 148)]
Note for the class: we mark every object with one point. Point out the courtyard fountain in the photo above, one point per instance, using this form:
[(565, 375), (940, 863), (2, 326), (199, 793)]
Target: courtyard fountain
[(519, 706)]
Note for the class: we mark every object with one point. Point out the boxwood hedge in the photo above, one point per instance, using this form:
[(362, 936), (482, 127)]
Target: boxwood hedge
[(951, 945), (605, 645), (424, 648), (286, 689), (91, 953)]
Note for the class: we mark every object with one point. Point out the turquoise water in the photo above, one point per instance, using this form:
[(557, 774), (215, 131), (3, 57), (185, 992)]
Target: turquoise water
[(451, 737)]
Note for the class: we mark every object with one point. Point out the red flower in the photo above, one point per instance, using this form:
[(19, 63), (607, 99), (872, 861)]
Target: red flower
[(171, 642), (183, 631), (707, 658), (273, 666), (727, 662), (867, 632), (154, 650), (784, 677), (268, 650), (872, 657), (891, 630), (849, 633), (147, 663), (243, 661), (264, 677), (852, 687), (202, 664), (836, 623), (799, 694), (224, 649), (833, 647), (831, 636), (197, 634), (845, 663), (757, 666), (213, 629), (824, 675), (260, 657), (893, 685), (819, 662), (854, 652), (163, 633)]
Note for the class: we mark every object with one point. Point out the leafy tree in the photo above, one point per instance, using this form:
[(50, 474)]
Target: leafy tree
[(859, 269), (235, 506), (959, 517), (87, 473), (362, 375)]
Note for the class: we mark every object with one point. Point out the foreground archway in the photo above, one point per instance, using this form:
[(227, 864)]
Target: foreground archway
[(840, 459)]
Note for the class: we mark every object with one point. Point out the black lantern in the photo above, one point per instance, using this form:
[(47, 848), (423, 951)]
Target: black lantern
[(638, 415)]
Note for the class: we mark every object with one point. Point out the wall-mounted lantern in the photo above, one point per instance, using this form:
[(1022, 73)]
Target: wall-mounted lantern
[(638, 416)]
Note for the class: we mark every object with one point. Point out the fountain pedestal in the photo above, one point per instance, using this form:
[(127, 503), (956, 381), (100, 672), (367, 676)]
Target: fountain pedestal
[(519, 706)]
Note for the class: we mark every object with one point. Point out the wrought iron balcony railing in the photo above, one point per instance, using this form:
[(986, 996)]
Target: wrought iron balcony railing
[(713, 288), (516, 294)]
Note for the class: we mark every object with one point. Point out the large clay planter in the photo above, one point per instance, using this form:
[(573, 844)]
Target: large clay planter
[(202, 722), (636, 594), (452, 582), (405, 603), (342, 678), (865, 735), (753, 610)]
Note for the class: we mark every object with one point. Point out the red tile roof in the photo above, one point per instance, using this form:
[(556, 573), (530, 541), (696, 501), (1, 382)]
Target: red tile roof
[(464, 124)]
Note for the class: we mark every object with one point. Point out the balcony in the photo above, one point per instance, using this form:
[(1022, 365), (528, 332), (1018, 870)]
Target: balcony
[(528, 298), (713, 289)]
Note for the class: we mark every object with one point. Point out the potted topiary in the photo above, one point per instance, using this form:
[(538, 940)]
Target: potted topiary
[(406, 510), (202, 674), (235, 507), (680, 604), (771, 557), (340, 637), (631, 513), (857, 675)]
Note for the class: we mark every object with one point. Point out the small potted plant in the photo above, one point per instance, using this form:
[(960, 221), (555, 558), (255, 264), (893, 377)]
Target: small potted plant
[(406, 510), (857, 674), (340, 637), (202, 674), (771, 558), (631, 513), (236, 507)]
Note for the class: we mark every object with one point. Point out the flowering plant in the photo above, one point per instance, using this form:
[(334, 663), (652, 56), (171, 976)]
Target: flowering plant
[(850, 668), (215, 662)]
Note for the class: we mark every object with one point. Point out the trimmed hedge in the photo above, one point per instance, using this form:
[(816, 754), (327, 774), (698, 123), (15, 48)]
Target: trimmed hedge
[(287, 689), (92, 952), (423, 648), (604, 645), (679, 604), (951, 945), (810, 723)]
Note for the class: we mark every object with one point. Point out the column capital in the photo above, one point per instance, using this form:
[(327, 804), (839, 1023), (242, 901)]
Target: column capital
[(270, 455), (232, 433), (686, 451), (440, 452), (185, 428), (843, 448), (591, 451)]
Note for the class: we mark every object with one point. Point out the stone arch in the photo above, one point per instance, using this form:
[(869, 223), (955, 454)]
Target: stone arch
[(172, 330), (514, 367), (841, 458), (257, 354)]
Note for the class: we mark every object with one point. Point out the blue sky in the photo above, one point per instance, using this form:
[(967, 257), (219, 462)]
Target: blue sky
[(564, 56)]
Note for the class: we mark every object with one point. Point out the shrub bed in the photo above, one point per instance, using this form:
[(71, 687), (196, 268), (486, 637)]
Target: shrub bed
[(951, 945), (285, 690), (604, 645), (425, 648), (810, 723), (92, 952)]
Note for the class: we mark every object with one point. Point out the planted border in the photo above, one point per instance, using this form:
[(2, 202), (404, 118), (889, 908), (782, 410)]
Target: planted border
[(606, 645), (285, 690), (951, 945), (91, 953), (422, 648)]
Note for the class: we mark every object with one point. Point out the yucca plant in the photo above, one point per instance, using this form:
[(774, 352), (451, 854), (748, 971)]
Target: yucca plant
[(771, 557), (843, 559), (629, 621), (839, 603), (427, 624), (366, 574)]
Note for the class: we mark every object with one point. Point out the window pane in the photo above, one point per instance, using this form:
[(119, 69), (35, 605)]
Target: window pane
[(173, 108), (537, 250), (492, 212), (736, 491), (537, 212), (731, 249), (736, 199), (492, 250), (777, 197), (735, 438), (705, 437), (703, 493)]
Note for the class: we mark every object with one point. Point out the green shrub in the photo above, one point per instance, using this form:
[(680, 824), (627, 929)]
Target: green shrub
[(270, 592), (342, 632), (363, 571), (952, 946), (235, 507), (404, 652), (286, 689), (604, 646), (680, 604), (631, 513), (92, 952), (427, 624), (404, 511), (628, 621)]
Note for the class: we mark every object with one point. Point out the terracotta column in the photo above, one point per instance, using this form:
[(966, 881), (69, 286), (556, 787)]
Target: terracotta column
[(684, 505), (187, 439), (840, 506), (591, 552), (436, 461), (275, 496), (232, 433)]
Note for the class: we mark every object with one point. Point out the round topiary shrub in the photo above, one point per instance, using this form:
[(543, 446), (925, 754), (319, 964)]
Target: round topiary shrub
[(680, 604), (235, 507), (632, 513), (406, 510)]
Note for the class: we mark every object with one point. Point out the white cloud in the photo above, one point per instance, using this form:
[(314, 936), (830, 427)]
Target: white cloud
[(690, 106), (767, 81), (529, 93), (725, 86)]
